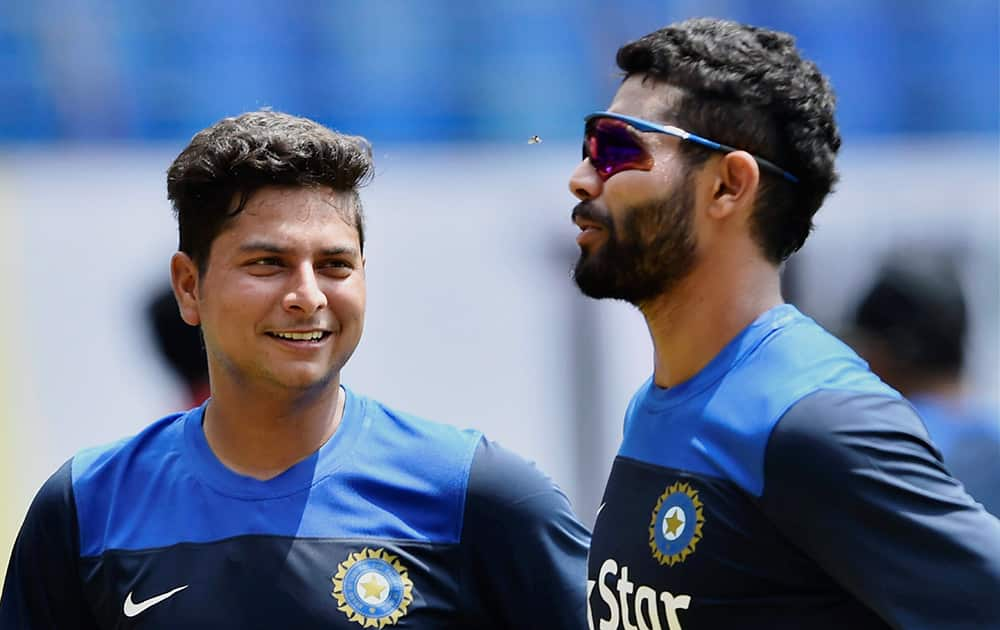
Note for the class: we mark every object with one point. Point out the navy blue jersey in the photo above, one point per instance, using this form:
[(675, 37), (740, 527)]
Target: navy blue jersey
[(785, 486), (394, 522)]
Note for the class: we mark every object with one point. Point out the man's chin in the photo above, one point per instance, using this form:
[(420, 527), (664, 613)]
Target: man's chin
[(592, 280), (303, 379), (600, 283)]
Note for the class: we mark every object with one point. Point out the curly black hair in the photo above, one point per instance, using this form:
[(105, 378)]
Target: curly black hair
[(212, 179), (749, 87)]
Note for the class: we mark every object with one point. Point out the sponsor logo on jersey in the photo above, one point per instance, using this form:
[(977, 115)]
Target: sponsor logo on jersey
[(627, 601), (372, 588), (675, 528), (132, 608)]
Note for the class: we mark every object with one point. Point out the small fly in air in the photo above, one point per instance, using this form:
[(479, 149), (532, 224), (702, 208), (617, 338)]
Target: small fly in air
[(534, 140)]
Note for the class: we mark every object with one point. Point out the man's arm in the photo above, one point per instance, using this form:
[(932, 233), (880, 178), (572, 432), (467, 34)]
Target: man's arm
[(42, 590), (525, 551), (854, 481)]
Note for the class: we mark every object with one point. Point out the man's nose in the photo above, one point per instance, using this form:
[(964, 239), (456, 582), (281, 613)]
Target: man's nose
[(584, 182), (305, 294)]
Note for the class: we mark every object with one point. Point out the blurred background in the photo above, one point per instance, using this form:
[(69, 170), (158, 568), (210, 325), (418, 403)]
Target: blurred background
[(473, 319)]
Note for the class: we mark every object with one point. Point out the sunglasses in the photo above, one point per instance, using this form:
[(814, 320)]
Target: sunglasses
[(611, 143)]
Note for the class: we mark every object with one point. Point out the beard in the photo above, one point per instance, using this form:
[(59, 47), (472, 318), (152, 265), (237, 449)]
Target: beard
[(647, 255)]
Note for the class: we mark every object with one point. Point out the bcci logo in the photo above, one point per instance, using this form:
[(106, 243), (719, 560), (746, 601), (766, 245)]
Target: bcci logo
[(675, 528), (372, 588)]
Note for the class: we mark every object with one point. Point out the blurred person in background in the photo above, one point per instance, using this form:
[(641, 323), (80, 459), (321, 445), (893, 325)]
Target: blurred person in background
[(766, 478), (288, 500), (911, 325), (180, 345)]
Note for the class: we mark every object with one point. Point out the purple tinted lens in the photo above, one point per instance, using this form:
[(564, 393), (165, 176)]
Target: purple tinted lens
[(612, 148)]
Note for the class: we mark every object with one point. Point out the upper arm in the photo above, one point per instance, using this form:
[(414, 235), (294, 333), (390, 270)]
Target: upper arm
[(42, 589), (525, 550), (853, 480)]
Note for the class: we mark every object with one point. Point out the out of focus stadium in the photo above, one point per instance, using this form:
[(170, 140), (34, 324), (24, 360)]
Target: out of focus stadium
[(475, 112)]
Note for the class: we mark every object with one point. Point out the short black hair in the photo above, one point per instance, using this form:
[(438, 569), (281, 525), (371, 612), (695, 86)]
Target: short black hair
[(749, 87), (917, 308), (237, 156)]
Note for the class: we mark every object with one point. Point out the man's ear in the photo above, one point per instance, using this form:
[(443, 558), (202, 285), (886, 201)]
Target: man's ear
[(736, 185), (184, 280)]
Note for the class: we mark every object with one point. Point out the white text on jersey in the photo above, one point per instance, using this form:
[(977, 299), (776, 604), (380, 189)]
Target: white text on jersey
[(645, 603)]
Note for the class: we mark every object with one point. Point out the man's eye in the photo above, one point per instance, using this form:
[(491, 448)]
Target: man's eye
[(262, 266)]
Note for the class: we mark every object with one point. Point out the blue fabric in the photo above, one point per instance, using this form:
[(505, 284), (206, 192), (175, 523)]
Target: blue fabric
[(457, 527), (785, 487), (168, 487), (718, 422), (968, 435)]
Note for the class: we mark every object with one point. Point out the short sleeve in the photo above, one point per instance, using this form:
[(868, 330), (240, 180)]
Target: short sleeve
[(853, 480), (525, 551), (43, 589)]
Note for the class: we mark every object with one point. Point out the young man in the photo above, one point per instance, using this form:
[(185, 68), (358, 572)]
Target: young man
[(766, 478), (287, 500)]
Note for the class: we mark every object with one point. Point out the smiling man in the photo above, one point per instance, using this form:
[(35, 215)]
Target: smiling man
[(288, 500), (766, 478)]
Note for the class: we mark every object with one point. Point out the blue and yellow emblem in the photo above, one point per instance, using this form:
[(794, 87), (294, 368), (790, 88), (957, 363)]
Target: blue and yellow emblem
[(675, 528), (372, 588)]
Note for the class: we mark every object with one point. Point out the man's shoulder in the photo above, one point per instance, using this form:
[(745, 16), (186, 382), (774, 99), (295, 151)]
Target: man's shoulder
[(496, 480), (846, 441), (502, 479), (722, 427), (86, 485), (54, 500), (410, 431), (832, 410), (425, 458), (788, 366), (499, 485), (799, 359), (805, 372), (148, 447), (832, 421), (511, 499)]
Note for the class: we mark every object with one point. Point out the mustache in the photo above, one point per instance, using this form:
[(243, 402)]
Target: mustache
[(589, 211)]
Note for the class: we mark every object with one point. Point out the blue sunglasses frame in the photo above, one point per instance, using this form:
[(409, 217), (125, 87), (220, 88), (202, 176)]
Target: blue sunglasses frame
[(647, 126)]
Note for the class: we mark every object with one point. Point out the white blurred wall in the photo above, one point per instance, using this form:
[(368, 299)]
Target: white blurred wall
[(473, 319)]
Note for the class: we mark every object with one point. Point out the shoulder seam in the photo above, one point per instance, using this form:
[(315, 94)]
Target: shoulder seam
[(464, 494)]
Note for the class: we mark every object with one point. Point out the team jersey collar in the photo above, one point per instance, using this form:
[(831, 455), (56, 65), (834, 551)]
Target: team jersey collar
[(328, 459), (732, 354)]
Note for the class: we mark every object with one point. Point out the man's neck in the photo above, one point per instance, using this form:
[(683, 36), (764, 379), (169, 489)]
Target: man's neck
[(692, 323), (261, 436)]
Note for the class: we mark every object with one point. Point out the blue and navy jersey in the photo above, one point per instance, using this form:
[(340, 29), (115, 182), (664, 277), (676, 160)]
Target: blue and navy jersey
[(395, 522), (785, 486)]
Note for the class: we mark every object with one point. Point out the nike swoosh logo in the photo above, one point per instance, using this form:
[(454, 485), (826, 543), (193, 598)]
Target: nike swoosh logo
[(131, 609)]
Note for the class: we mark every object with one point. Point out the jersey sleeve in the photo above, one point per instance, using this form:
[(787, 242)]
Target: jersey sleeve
[(525, 551), (854, 482), (43, 589)]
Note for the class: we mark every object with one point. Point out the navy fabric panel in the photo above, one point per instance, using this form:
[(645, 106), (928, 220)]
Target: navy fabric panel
[(718, 423), (42, 587), (728, 567), (855, 482), (164, 486), (270, 582), (525, 550)]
